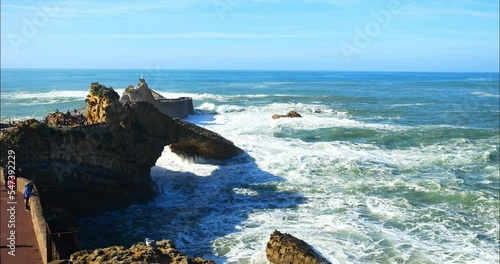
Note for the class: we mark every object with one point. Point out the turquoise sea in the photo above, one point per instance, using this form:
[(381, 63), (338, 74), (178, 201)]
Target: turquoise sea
[(384, 167)]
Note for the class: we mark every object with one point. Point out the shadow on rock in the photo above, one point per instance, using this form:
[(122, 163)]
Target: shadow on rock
[(192, 210)]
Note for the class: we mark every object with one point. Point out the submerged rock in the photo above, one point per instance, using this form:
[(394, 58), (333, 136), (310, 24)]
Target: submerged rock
[(164, 252), (285, 248)]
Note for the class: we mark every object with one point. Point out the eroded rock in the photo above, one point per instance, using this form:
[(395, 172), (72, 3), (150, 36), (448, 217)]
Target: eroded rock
[(106, 163), (291, 114), (164, 252), (284, 248)]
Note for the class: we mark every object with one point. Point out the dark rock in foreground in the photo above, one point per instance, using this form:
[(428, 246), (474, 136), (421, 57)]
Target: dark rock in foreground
[(164, 252), (285, 248)]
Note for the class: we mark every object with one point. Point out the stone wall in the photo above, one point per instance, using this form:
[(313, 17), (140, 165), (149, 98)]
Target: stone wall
[(179, 108), (36, 216)]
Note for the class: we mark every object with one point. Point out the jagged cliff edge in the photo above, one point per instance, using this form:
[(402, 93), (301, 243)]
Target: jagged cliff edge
[(106, 163)]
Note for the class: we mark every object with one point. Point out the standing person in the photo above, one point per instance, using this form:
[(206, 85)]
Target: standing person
[(27, 193), (6, 180)]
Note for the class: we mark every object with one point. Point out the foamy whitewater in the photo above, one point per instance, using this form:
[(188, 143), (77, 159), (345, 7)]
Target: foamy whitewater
[(382, 168)]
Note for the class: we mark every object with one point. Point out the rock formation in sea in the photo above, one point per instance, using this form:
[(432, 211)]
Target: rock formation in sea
[(291, 114), (106, 163), (174, 107), (164, 252), (285, 248)]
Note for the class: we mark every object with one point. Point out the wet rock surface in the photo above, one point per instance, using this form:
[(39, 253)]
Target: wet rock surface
[(284, 248), (291, 114)]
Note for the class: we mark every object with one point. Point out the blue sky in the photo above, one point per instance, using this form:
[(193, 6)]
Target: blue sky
[(359, 35)]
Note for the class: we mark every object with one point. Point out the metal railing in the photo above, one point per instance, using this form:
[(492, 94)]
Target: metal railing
[(61, 245)]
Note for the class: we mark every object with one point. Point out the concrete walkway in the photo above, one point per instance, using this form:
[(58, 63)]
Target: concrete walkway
[(26, 246)]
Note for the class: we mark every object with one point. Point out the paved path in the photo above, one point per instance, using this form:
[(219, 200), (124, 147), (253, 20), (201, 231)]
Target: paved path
[(26, 250)]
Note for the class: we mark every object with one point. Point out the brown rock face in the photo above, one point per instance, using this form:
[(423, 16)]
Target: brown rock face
[(106, 163), (285, 248), (293, 114), (63, 119), (163, 253), (102, 104), (290, 114)]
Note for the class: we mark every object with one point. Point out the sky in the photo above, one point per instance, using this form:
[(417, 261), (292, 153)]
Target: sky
[(337, 35)]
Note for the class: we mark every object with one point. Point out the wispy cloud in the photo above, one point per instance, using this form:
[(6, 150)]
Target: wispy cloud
[(77, 8), (211, 35), (336, 2), (475, 9), (467, 12), (23, 7)]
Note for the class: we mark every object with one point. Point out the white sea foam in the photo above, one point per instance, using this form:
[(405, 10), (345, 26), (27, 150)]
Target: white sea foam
[(218, 97), (277, 83), (42, 101), (181, 164), (51, 96), (45, 95), (354, 202), (213, 109), (415, 104), (485, 94), (359, 205)]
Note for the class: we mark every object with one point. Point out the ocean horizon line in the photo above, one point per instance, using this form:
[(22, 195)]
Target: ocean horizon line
[(253, 70)]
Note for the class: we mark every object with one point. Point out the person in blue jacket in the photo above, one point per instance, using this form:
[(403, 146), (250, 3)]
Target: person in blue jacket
[(27, 194)]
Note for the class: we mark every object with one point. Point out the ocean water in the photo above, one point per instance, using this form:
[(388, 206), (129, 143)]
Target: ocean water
[(384, 167)]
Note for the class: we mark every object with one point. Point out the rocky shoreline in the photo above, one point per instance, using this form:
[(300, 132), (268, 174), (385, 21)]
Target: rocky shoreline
[(105, 164), (282, 248), (86, 166), (101, 164), (162, 252)]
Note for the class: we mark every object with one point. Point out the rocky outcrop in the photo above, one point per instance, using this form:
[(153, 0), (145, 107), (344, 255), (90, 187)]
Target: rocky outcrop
[(106, 163), (164, 252), (140, 93), (291, 114), (180, 107), (197, 141), (285, 248), (64, 119)]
